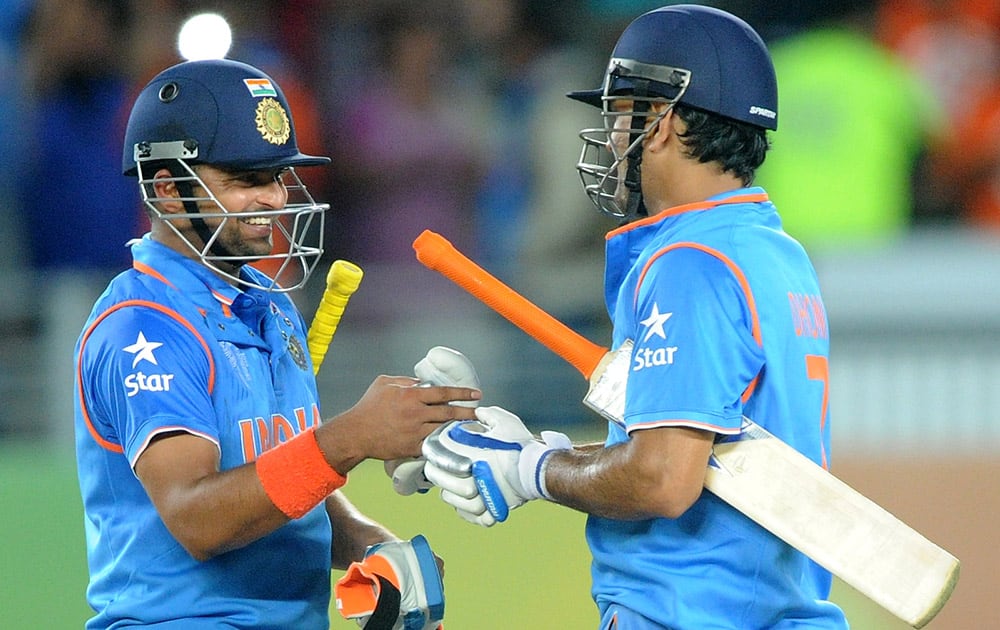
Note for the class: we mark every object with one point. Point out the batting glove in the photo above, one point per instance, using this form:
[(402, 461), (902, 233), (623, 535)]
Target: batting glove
[(397, 586), (487, 468), (441, 366)]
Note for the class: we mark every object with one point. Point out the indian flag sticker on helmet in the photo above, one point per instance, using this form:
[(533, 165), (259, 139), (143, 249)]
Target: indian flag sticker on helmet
[(260, 87), (272, 121)]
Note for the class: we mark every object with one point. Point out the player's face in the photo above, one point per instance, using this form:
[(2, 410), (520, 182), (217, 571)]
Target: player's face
[(239, 193), (618, 144)]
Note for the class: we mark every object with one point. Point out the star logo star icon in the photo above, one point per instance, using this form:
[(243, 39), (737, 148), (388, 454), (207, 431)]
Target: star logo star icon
[(654, 323), (143, 350)]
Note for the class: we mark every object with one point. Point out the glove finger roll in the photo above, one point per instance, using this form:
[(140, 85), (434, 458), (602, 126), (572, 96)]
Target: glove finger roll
[(460, 486)]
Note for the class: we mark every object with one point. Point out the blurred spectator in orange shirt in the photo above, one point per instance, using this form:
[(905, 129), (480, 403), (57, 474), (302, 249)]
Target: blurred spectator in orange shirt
[(955, 46)]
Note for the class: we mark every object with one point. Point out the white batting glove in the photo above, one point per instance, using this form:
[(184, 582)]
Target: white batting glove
[(441, 366), (487, 468)]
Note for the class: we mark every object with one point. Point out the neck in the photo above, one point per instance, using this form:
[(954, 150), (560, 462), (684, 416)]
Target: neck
[(693, 185), (188, 244)]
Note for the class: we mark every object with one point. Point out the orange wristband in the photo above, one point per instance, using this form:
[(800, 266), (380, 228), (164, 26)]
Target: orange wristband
[(296, 476)]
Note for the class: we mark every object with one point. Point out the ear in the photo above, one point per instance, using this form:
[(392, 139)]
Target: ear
[(165, 189), (660, 136)]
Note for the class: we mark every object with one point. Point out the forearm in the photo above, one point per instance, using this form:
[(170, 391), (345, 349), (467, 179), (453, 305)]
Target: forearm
[(595, 481), (210, 512), (657, 473), (220, 512)]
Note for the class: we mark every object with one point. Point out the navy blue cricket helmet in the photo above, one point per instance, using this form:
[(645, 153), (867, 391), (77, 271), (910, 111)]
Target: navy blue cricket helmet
[(731, 72), (229, 113)]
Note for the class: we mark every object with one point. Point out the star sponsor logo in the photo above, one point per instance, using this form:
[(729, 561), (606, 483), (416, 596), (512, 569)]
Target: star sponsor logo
[(143, 350), (139, 382), (654, 323), (649, 355)]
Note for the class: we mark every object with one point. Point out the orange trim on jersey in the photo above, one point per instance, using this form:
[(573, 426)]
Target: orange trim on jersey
[(149, 271), (740, 278), (111, 446), (688, 207), (225, 302)]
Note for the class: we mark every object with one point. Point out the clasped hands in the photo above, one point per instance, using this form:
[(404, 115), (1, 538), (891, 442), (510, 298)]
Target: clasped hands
[(485, 467)]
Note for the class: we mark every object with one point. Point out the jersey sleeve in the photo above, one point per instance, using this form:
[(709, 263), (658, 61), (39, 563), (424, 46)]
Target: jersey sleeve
[(146, 371), (695, 352)]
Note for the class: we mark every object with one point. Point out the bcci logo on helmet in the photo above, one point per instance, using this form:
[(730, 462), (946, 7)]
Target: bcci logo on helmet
[(272, 121)]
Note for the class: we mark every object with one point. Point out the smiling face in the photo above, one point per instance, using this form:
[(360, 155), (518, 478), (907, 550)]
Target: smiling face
[(245, 197), (237, 211)]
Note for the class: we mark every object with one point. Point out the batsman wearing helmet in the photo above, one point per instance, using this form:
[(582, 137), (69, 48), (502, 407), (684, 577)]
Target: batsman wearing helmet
[(209, 479), (724, 311)]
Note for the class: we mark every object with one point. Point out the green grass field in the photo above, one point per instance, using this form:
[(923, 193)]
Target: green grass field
[(531, 572)]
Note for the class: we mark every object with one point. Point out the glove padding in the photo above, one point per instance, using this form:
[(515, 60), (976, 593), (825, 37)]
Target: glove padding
[(397, 586), (487, 468), (441, 366)]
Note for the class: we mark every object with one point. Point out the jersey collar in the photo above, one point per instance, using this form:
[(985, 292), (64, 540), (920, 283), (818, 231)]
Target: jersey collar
[(181, 273), (740, 195)]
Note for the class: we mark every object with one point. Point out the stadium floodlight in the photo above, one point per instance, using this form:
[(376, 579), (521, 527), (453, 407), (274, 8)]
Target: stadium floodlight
[(204, 36)]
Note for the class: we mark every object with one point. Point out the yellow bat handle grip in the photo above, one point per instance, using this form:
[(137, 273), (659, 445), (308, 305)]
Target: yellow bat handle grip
[(342, 281)]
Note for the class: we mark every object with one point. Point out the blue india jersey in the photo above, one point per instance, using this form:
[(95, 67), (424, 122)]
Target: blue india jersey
[(726, 317), (168, 347)]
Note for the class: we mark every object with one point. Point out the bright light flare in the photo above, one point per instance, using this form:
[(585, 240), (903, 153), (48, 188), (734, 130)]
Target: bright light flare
[(204, 36)]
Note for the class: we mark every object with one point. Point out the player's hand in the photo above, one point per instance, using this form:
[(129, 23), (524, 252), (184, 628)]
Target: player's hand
[(487, 468), (391, 420), (396, 586), (441, 366)]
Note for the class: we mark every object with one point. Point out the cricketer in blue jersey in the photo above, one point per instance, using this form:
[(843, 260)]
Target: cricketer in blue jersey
[(726, 318), (209, 478)]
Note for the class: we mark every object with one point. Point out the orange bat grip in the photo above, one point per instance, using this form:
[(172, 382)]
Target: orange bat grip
[(437, 253)]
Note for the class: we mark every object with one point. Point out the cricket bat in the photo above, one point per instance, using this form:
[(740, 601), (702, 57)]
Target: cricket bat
[(342, 281), (756, 473)]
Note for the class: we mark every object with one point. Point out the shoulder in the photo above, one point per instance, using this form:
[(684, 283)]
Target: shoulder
[(134, 297), (686, 261), (136, 317)]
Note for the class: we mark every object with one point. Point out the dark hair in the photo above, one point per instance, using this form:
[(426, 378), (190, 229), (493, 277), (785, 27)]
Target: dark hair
[(738, 147)]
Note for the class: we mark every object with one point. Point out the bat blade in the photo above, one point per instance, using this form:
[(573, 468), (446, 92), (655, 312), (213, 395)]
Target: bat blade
[(756, 473), (835, 525)]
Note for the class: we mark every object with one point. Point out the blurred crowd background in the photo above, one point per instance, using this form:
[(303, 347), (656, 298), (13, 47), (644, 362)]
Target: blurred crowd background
[(451, 115)]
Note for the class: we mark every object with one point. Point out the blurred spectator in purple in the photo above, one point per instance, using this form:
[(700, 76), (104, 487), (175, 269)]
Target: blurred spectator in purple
[(402, 128), (78, 208), (532, 211)]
